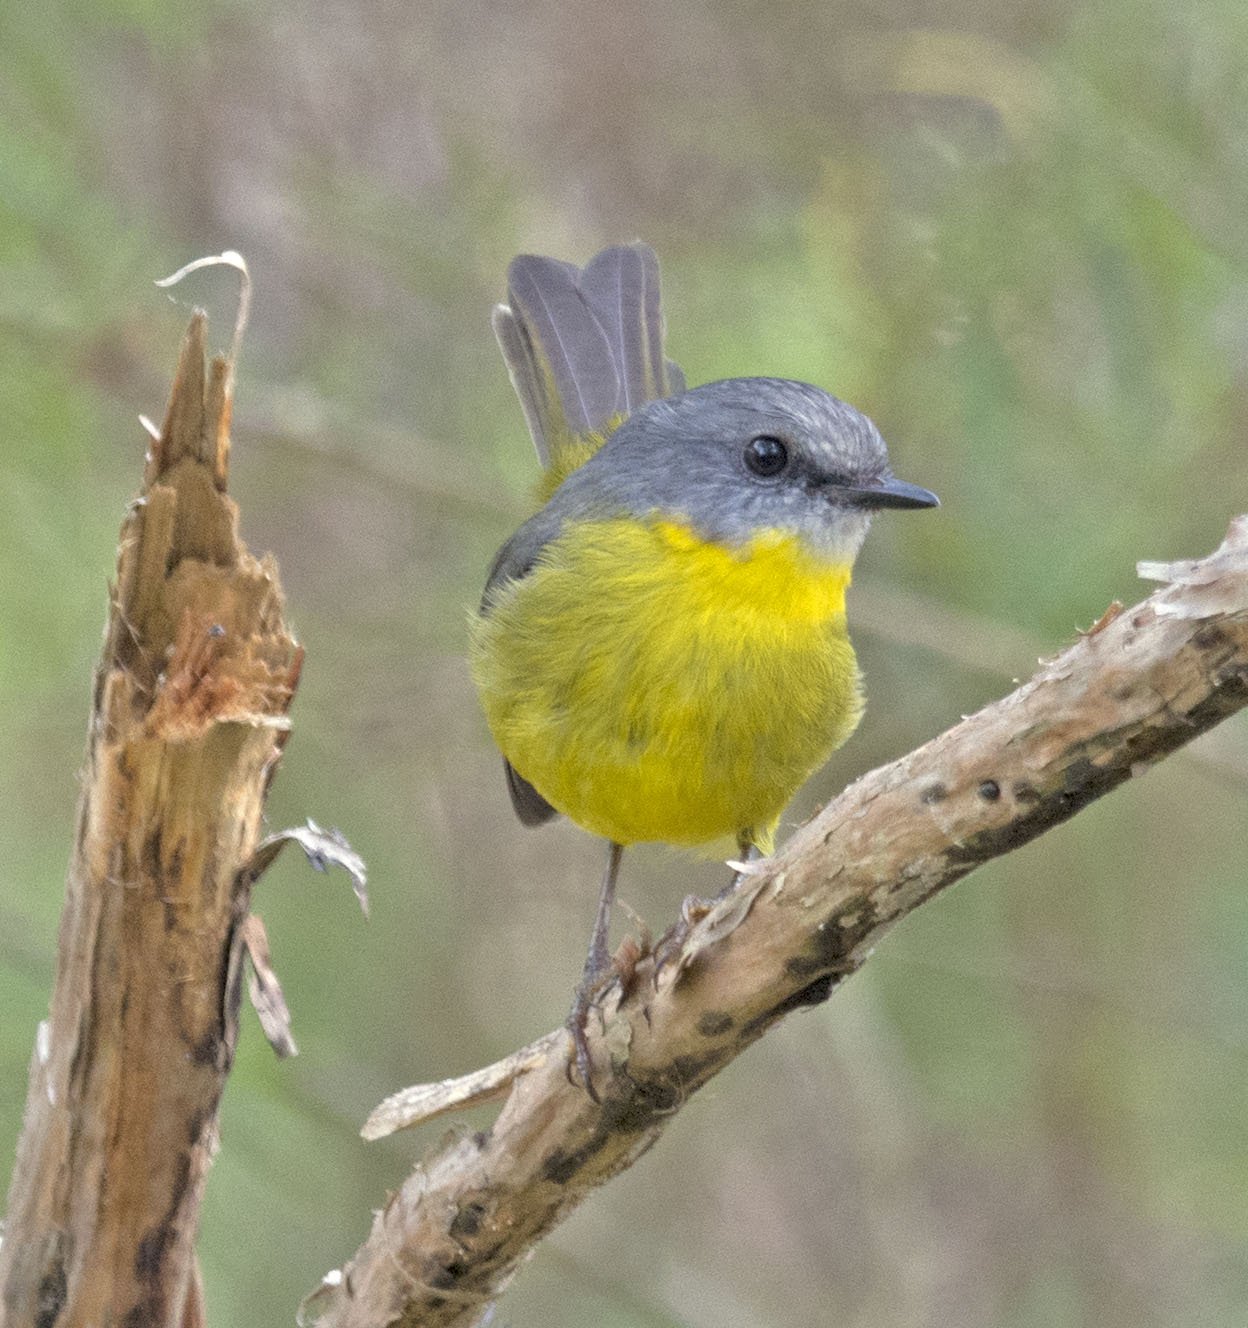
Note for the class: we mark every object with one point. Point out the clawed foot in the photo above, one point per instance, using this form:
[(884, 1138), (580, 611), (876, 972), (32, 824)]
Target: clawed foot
[(693, 908), (588, 993), (601, 969)]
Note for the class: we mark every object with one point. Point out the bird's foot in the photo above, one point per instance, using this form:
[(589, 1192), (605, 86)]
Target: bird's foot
[(590, 990), (693, 908)]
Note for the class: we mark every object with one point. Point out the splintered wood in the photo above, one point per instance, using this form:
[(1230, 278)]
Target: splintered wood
[(188, 721)]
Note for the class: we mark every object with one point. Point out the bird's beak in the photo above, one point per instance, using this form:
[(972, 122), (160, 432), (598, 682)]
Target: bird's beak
[(887, 492)]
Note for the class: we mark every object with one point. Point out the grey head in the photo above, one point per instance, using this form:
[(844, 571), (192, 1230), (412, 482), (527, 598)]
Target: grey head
[(740, 455), (730, 459)]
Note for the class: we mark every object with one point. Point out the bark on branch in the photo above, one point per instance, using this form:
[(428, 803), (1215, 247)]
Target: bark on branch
[(1139, 685), (188, 720)]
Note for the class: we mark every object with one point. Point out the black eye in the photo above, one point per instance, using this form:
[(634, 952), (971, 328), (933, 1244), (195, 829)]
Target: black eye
[(766, 456)]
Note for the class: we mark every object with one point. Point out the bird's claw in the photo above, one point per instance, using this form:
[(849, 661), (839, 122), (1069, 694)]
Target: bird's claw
[(591, 989)]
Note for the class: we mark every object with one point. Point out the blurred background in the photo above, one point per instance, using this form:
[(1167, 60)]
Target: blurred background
[(1014, 234)]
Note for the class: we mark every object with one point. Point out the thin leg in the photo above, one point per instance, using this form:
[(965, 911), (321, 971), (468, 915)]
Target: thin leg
[(597, 964), (750, 852)]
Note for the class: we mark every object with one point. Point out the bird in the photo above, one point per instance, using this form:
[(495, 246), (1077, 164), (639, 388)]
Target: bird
[(661, 649)]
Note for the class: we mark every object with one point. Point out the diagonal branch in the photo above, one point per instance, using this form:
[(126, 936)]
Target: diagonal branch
[(1137, 686)]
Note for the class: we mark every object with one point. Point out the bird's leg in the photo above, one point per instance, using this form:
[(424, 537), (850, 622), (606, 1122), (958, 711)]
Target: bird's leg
[(750, 852), (597, 964)]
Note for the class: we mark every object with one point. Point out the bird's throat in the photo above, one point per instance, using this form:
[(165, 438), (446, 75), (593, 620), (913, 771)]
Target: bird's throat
[(774, 575)]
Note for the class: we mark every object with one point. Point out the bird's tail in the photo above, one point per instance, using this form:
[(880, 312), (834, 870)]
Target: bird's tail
[(584, 347)]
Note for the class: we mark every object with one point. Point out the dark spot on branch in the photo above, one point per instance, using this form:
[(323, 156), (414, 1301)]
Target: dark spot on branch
[(990, 790), (53, 1289), (439, 1276), (196, 1125), (803, 965), (814, 993), (712, 1023), (149, 855), (826, 961), (637, 1111), (152, 1249), (467, 1222), (561, 1166), (632, 1107), (151, 1252), (1208, 637), (177, 860), (1083, 782), (835, 940), (207, 1051), (934, 793), (1025, 792), (147, 1314), (670, 1092), (1085, 779)]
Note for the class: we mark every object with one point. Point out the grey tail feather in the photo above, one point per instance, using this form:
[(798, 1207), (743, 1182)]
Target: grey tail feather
[(592, 337), (525, 376), (616, 285), (562, 329), (531, 808), (621, 285)]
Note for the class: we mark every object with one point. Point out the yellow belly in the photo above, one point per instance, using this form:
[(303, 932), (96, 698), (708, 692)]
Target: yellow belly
[(653, 686)]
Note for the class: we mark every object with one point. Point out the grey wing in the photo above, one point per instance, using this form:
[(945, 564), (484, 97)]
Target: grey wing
[(514, 561), (529, 805)]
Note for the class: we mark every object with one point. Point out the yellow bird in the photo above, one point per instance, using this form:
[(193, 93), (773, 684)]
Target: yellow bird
[(661, 649)]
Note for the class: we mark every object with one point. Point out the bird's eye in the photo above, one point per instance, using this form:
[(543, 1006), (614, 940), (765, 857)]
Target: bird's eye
[(766, 456)]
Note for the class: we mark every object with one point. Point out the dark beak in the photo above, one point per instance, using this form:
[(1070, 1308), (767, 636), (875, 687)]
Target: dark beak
[(887, 492)]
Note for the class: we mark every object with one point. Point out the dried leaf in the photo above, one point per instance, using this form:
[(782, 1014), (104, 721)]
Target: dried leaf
[(324, 849), (264, 988)]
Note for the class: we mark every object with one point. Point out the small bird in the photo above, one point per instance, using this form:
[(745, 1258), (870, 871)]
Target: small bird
[(661, 649)]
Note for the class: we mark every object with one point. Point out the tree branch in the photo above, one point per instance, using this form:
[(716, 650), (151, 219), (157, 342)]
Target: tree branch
[(1138, 685), (187, 724)]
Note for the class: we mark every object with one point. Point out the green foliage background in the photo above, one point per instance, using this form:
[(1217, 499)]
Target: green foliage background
[(1015, 235)]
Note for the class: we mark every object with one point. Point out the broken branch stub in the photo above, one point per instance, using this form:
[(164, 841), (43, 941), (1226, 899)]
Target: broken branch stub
[(188, 720)]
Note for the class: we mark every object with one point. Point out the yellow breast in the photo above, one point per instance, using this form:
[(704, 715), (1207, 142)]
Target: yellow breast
[(654, 686)]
